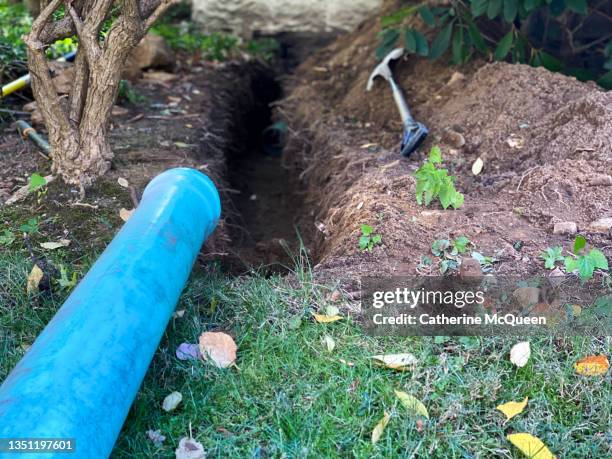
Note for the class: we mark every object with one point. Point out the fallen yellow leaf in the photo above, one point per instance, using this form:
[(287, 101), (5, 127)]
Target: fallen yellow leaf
[(530, 446), (34, 279), (325, 319), (395, 361), (414, 405), (592, 365), (380, 428), (511, 409)]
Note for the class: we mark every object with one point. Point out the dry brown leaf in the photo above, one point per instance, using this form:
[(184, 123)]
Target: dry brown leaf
[(188, 448), (511, 409), (34, 279), (380, 428), (219, 347), (592, 365), (412, 404)]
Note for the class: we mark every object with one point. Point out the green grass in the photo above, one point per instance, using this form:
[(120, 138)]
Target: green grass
[(290, 397)]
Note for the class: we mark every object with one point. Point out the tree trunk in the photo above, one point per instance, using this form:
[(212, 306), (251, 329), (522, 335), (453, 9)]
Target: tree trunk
[(78, 125)]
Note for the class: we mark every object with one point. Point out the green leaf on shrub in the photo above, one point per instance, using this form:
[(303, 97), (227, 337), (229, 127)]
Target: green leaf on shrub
[(427, 16), (458, 48), (531, 4), (410, 41), (510, 10), (504, 46), (577, 6), (422, 46), (388, 39), (606, 80), (556, 7), (478, 7), (551, 62), (441, 42), (494, 8), (477, 39)]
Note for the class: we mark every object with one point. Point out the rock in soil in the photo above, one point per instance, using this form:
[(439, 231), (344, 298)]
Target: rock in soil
[(152, 53), (569, 228), (602, 225)]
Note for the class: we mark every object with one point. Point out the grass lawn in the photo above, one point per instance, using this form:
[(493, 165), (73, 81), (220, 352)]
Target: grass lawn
[(291, 397)]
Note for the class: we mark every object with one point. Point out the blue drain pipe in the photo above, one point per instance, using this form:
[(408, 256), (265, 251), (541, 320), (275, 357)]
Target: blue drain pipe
[(80, 377)]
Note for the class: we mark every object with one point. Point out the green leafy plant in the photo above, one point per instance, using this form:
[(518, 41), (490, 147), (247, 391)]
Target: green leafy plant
[(128, 94), (585, 262), (552, 255), (64, 282), (486, 262), (368, 240), (30, 227), (449, 252), (7, 237), (36, 182), (434, 182), (472, 27)]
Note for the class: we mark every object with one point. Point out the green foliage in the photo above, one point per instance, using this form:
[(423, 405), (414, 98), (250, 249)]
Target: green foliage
[(15, 21), (30, 227), (464, 27), (368, 240), (7, 237), (585, 262), (449, 252), (64, 282), (551, 255), (434, 182), (36, 182), (214, 46), (486, 262), (128, 94)]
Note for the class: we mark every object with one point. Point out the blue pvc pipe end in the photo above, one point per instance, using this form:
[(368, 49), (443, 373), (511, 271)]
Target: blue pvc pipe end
[(80, 377)]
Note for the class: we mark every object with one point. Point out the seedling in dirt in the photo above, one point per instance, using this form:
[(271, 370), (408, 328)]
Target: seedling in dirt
[(486, 262), (30, 227), (434, 182), (39, 184), (449, 251), (552, 255), (368, 241), (585, 262), (7, 237)]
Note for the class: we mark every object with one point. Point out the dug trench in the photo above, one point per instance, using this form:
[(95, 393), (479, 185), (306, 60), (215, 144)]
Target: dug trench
[(544, 139)]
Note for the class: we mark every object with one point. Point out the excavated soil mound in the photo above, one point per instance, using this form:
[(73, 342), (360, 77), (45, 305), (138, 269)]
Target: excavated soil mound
[(545, 139)]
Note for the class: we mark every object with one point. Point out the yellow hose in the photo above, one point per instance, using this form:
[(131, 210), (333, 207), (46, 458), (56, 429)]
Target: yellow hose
[(16, 85)]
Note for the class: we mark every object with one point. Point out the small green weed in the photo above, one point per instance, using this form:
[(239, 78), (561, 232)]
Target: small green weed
[(449, 252), (129, 94), (7, 237), (486, 262), (434, 182), (30, 227), (585, 262), (368, 240), (552, 255)]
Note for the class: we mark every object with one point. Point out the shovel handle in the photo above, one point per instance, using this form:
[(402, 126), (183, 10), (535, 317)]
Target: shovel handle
[(400, 101)]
